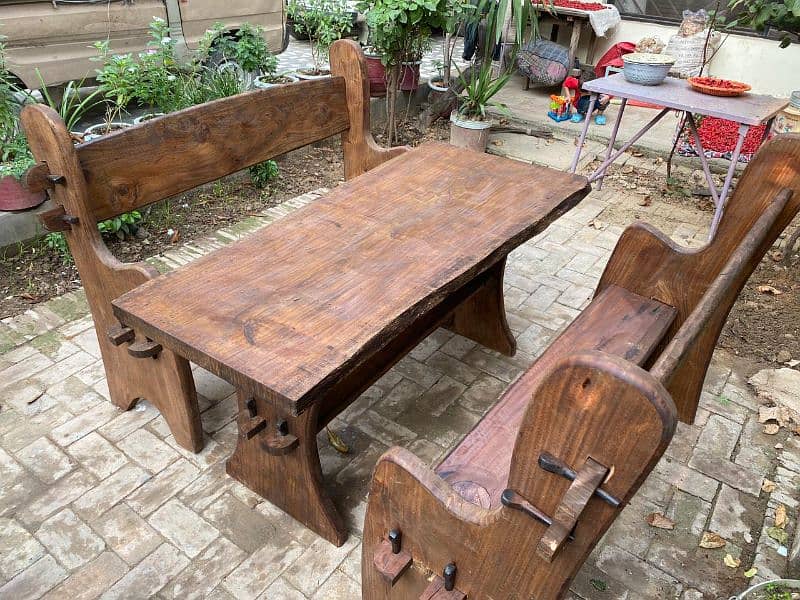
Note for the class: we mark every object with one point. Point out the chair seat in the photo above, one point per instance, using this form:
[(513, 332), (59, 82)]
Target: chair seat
[(617, 321)]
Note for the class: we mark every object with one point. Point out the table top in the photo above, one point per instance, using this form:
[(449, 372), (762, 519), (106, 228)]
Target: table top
[(749, 109), (287, 310)]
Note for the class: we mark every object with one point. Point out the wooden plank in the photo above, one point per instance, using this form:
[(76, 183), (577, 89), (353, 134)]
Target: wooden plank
[(650, 264), (289, 310), (617, 322), (163, 157), (592, 404)]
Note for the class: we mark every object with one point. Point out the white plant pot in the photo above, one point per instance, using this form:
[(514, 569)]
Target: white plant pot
[(306, 76), (99, 129), (261, 83), (147, 117), (437, 86), (465, 133), (792, 584)]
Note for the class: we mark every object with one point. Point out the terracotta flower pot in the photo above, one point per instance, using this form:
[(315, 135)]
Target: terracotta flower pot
[(409, 76), (376, 73)]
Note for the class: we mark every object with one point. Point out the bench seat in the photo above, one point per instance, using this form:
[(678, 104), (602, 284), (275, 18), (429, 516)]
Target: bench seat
[(617, 322)]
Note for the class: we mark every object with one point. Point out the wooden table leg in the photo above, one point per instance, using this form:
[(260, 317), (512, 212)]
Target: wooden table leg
[(276, 456), (482, 316)]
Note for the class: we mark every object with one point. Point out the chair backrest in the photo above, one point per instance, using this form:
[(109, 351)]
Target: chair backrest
[(648, 263)]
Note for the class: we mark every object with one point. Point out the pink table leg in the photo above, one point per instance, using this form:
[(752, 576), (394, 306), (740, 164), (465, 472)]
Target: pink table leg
[(723, 195), (582, 138), (612, 139)]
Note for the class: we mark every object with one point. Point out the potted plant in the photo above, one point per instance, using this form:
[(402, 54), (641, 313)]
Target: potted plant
[(470, 122), (376, 72), (778, 589), (400, 33), (324, 21), (456, 12)]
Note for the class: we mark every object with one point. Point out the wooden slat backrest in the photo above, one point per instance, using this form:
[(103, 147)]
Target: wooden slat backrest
[(166, 156), (648, 263)]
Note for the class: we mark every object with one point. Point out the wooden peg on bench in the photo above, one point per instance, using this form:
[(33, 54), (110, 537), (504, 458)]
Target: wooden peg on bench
[(390, 560), (583, 487), (121, 335), (443, 588), (144, 349)]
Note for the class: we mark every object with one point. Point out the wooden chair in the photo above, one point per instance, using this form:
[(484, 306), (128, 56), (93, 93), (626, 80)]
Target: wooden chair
[(158, 159), (518, 505)]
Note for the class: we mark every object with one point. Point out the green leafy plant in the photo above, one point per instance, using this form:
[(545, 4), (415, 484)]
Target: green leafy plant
[(400, 33), (119, 79), (246, 47), (56, 242), (123, 225), (324, 21), (71, 107), (158, 69), (15, 155), (763, 15), (482, 83), (264, 172)]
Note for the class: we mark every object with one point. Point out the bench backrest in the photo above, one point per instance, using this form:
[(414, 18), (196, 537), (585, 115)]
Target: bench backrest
[(154, 160), (648, 263)]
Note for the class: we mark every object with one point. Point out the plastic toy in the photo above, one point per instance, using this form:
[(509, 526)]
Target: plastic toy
[(560, 108)]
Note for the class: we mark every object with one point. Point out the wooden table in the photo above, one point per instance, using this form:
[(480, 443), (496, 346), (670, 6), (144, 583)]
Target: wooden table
[(676, 94), (304, 315)]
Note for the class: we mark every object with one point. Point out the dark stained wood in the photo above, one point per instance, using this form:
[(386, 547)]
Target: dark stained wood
[(306, 323), (616, 322), (437, 591), (568, 416), (57, 219), (121, 335), (38, 178), (131, 168), (390, 565), (695, 324), (361, 153), (569, 510), (144, 349), (166, 381), (470, 318), (293, 313), (291, 480), (159, 158), (650, 264)]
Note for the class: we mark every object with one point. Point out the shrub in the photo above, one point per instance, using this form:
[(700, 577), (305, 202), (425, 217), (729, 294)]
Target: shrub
[(262, 173), (246, 46), (324, 21)]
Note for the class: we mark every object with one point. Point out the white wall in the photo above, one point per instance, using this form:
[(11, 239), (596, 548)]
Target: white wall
[(759, 62)]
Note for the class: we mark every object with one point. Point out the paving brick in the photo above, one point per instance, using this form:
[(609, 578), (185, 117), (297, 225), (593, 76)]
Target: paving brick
[(206, 571), (149, 576), (237, 521), (92, 580), (125, 532), (55, 497), (162, 487), (417, 372), (401, 397), (19, 429), (83, 424), (205, 489), (493, 365), (338, 586), (147, 450), (483, 394), (314, 566), (220, 414), (689, 513), (640, 576), (183, 527), (18, 548), (129, 421), (75, 394), (97, 455), (458, 346), (682, 444), (725, 471), (722, 405), (735, 515), (687, 479), (384, 430), (264, 566), (719, 437), (452, 367), (69, 539), (45, 460), (280, 588), (110, 491), (34, 581)]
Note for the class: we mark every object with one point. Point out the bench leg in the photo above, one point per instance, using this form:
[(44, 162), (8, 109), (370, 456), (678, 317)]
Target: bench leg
[(276, 456), (482, 316)]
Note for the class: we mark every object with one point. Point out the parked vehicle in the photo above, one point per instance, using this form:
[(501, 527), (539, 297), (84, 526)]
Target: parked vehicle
[(56, 36)]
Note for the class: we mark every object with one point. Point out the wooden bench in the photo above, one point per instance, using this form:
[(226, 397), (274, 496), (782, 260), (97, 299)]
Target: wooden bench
[(519, 504), (125, 171)]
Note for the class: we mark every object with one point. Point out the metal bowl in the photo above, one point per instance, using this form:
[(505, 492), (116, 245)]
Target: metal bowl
[(646, 69)]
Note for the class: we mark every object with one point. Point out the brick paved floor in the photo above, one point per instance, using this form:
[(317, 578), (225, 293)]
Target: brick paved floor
[(95, 502)]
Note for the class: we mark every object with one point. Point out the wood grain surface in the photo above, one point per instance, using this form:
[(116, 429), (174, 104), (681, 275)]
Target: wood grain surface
[(289, 310), (617, 322), (650, 264), (589, 405)]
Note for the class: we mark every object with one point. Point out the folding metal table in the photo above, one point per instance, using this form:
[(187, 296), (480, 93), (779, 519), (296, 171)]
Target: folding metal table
[(747, 110)]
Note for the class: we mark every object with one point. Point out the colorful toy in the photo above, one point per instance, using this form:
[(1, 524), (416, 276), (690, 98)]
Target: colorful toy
[(560, 108)]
